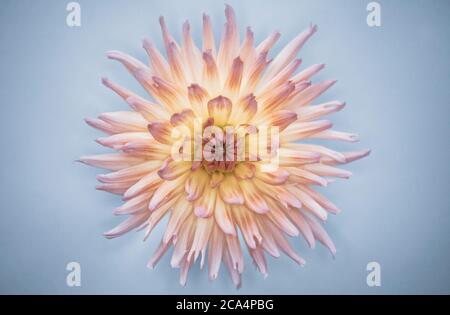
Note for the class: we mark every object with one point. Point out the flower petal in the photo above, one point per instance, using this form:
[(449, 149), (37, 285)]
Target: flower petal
[(223, 217), (230, 192), (173, 169), (195, 184), (113, 162), (289, 52), (244, 170), (161, 132), (165, 192), (253, 199), (127, 225), (277, 177), (204, 206), (219, 109), (147, 183), (215, 253)]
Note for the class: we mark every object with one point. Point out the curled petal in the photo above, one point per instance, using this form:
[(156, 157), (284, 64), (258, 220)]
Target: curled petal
[(321, 200), (211, 72), (306, 74), (167, 38), (349, 157), (291, 157), (191, 53), (277, 98), (283, 244), (336, 135), (277, 216), (326, 170), (204, 206), (247, 51), (148, 110), (223, 217), (234, 274), (198, 98), (182, 241), (184, 118), (279, 79), (268, 242), (310, 93), (134, 172), (216, 179), (195, 184), (215, 253), (277, 177), (302, 130), (229, 43), (289, 52), (281, 193), (244, 110), (244, 170), (147, 183), (181, 211), (117, 188), (282, 119), (323, 151), (233, 82), (259, 259), (266, 45), (309, 203), (176, 63), (308, 113), (125, 121), (303, 176), (230, 192), (203, 229), (173, 169), (253, 199), (132, 222), (113, 162), (235, 252), (299, 220), (117, 141), (161, 132), (129, 62), (219, 109), (101, 125), (159, 65), (134, 205), (160, 251), (119, 90), (253, 73), (157, 215), (208, 35), (165, 192), (247, 223), (320, 234)]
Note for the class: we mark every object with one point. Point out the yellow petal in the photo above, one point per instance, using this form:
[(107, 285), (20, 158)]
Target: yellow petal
[(195, 184), (204, 206), (230, 192), (223, 217), (244, 170), (254, 200), (219, 109)]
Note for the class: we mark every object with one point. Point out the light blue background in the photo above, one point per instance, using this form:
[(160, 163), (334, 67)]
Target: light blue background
[(395, 80)]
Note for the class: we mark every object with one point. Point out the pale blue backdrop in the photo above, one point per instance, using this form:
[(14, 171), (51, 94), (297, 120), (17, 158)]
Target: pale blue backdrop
[(395, 80)]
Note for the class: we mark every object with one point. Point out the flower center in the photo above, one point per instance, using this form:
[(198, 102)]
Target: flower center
[(220, 149)]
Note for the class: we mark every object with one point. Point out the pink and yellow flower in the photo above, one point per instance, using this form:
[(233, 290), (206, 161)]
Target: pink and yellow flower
[(210, 203)]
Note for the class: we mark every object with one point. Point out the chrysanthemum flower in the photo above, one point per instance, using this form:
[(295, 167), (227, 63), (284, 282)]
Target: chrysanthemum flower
[(211, 202)]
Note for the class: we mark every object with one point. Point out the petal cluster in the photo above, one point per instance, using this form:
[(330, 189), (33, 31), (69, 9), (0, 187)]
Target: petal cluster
[(217, 207)]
